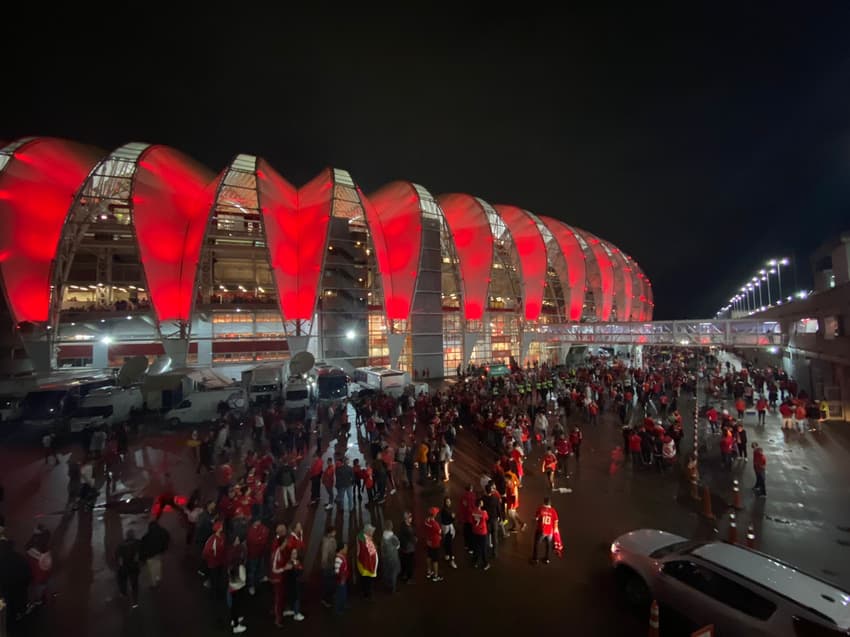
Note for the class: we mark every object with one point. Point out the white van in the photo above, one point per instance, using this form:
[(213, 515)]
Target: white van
[(202, 406), (106, 407), (390, 381)]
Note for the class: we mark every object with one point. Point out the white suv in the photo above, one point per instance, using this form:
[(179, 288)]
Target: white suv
[(738, 590)]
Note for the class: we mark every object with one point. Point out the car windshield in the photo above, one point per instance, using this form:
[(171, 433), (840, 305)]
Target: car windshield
[(91, 412), (676, 547)]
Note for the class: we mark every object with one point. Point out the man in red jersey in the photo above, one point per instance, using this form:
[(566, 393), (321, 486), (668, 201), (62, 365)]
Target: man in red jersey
[(479, 535), (547, 522), (433, 540), (562, 450), (550, 464)]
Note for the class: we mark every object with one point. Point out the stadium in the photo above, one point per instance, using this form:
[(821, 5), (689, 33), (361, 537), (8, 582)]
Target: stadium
[(143, 251)]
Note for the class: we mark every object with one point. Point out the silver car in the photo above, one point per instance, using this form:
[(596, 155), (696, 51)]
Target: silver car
[(737, 590)]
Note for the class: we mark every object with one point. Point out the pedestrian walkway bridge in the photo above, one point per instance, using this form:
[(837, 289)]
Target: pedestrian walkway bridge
[(720, 333)]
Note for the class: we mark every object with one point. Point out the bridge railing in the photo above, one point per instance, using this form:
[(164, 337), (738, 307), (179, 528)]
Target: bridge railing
[(724, 333)]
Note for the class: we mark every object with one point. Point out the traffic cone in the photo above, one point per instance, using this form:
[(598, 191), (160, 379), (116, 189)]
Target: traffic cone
[(751, 536), (733, 529), (653, 619), (706, 503), (736, 495)]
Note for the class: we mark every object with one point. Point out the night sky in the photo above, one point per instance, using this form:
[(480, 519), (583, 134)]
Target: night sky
[(700, 141)]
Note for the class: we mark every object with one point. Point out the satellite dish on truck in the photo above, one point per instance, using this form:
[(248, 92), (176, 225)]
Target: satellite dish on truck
[(132, 371), (301, 363), (161, 365)]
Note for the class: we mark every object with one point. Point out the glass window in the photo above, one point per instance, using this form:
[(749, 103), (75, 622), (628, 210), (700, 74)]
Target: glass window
[(723, 589), (804, 627)]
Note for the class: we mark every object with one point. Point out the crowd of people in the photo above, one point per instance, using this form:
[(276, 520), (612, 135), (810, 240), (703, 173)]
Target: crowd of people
[(244, 521)]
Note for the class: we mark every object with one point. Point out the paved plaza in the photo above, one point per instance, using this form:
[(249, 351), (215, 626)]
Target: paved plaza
[(805, 520)]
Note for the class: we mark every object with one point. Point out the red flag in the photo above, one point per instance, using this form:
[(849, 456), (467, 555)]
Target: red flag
[(556, 541)]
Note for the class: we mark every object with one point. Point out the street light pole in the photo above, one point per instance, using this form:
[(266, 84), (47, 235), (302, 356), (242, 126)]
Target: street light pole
[(765, 276), (779, 265)]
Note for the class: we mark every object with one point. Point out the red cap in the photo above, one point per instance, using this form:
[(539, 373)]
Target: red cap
[(434, 510), (218, 526)]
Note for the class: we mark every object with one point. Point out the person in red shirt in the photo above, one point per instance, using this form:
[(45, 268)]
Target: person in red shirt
[(761, 408), (562, 451), (759, 465), (635, 448), (547, 523), (740, 406), (315, 474), (711, 416), (293, 571), (341, 575), (215, 555), (549, 466), (592, 412), (512, 502), (244, 505), (575, 442), (727, 448), (479, 535), (279, 560), (801, 417), (257, 541), (433, 540), (517, 457), (787, 413), (467, 504)]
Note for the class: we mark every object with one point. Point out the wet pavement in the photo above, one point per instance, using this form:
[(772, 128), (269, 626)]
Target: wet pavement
[(804, 520)]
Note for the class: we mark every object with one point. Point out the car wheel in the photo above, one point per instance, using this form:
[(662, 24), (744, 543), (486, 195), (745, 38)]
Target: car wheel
[(174, 422), (635, 590)]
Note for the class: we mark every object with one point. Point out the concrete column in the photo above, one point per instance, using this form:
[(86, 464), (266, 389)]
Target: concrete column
[(100, 355)]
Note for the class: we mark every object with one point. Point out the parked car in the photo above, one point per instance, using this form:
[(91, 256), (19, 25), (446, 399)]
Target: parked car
[(10, 408), (738, 590)]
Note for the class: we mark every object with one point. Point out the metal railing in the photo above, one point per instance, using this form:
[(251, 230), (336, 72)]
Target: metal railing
[(722, 332)]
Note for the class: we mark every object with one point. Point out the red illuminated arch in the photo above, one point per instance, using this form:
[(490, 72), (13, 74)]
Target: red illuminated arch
[(636, 285), (622, 281), (532, 256), (172, 199), (394, 214), (571, 248), (296, 223), (606, 274), (37, 189), (473, 243)]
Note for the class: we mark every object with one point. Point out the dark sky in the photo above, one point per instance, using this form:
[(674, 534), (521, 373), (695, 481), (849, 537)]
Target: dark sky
[(701, 138)]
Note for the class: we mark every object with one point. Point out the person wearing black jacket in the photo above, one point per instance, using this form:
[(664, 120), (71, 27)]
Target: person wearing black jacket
[(407, 550), (493, 507), (15, 577), (128, 567), (154, 543)]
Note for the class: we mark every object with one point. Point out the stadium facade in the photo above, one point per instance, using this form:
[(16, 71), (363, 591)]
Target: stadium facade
[(143, 251)]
